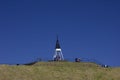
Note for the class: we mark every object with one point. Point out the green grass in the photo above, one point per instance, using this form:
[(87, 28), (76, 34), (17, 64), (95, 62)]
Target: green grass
[(59, 71)]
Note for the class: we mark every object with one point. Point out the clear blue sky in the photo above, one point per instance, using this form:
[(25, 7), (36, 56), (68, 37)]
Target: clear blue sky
[(86, 29)]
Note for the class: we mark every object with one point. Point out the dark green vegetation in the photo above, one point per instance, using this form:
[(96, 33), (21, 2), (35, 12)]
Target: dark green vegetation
[(59, 71)]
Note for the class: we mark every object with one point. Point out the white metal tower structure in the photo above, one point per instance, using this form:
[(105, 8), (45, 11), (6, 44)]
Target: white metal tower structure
[(58, 56)]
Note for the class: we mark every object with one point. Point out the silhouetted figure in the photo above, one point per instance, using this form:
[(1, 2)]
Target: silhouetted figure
[(17, 64), (57, 58), (77, 59)]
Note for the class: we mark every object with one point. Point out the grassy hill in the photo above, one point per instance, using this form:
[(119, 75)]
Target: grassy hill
[(59, 71)]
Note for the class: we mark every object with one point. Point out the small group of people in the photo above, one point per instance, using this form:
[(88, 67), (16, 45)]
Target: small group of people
[(57, 58)]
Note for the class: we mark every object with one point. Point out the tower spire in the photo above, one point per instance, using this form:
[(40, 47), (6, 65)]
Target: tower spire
[(58, 56), (57, 44)]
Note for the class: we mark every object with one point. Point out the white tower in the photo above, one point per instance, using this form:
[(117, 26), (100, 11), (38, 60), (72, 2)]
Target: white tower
[(58, 56)]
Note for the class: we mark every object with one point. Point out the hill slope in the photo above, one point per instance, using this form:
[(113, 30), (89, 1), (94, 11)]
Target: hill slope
[(59, 71)]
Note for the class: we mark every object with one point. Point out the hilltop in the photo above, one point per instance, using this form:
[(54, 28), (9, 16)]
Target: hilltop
[(58, 71)]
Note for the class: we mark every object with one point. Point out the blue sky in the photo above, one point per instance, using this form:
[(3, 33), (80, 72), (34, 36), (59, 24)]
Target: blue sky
[(86, 29)]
